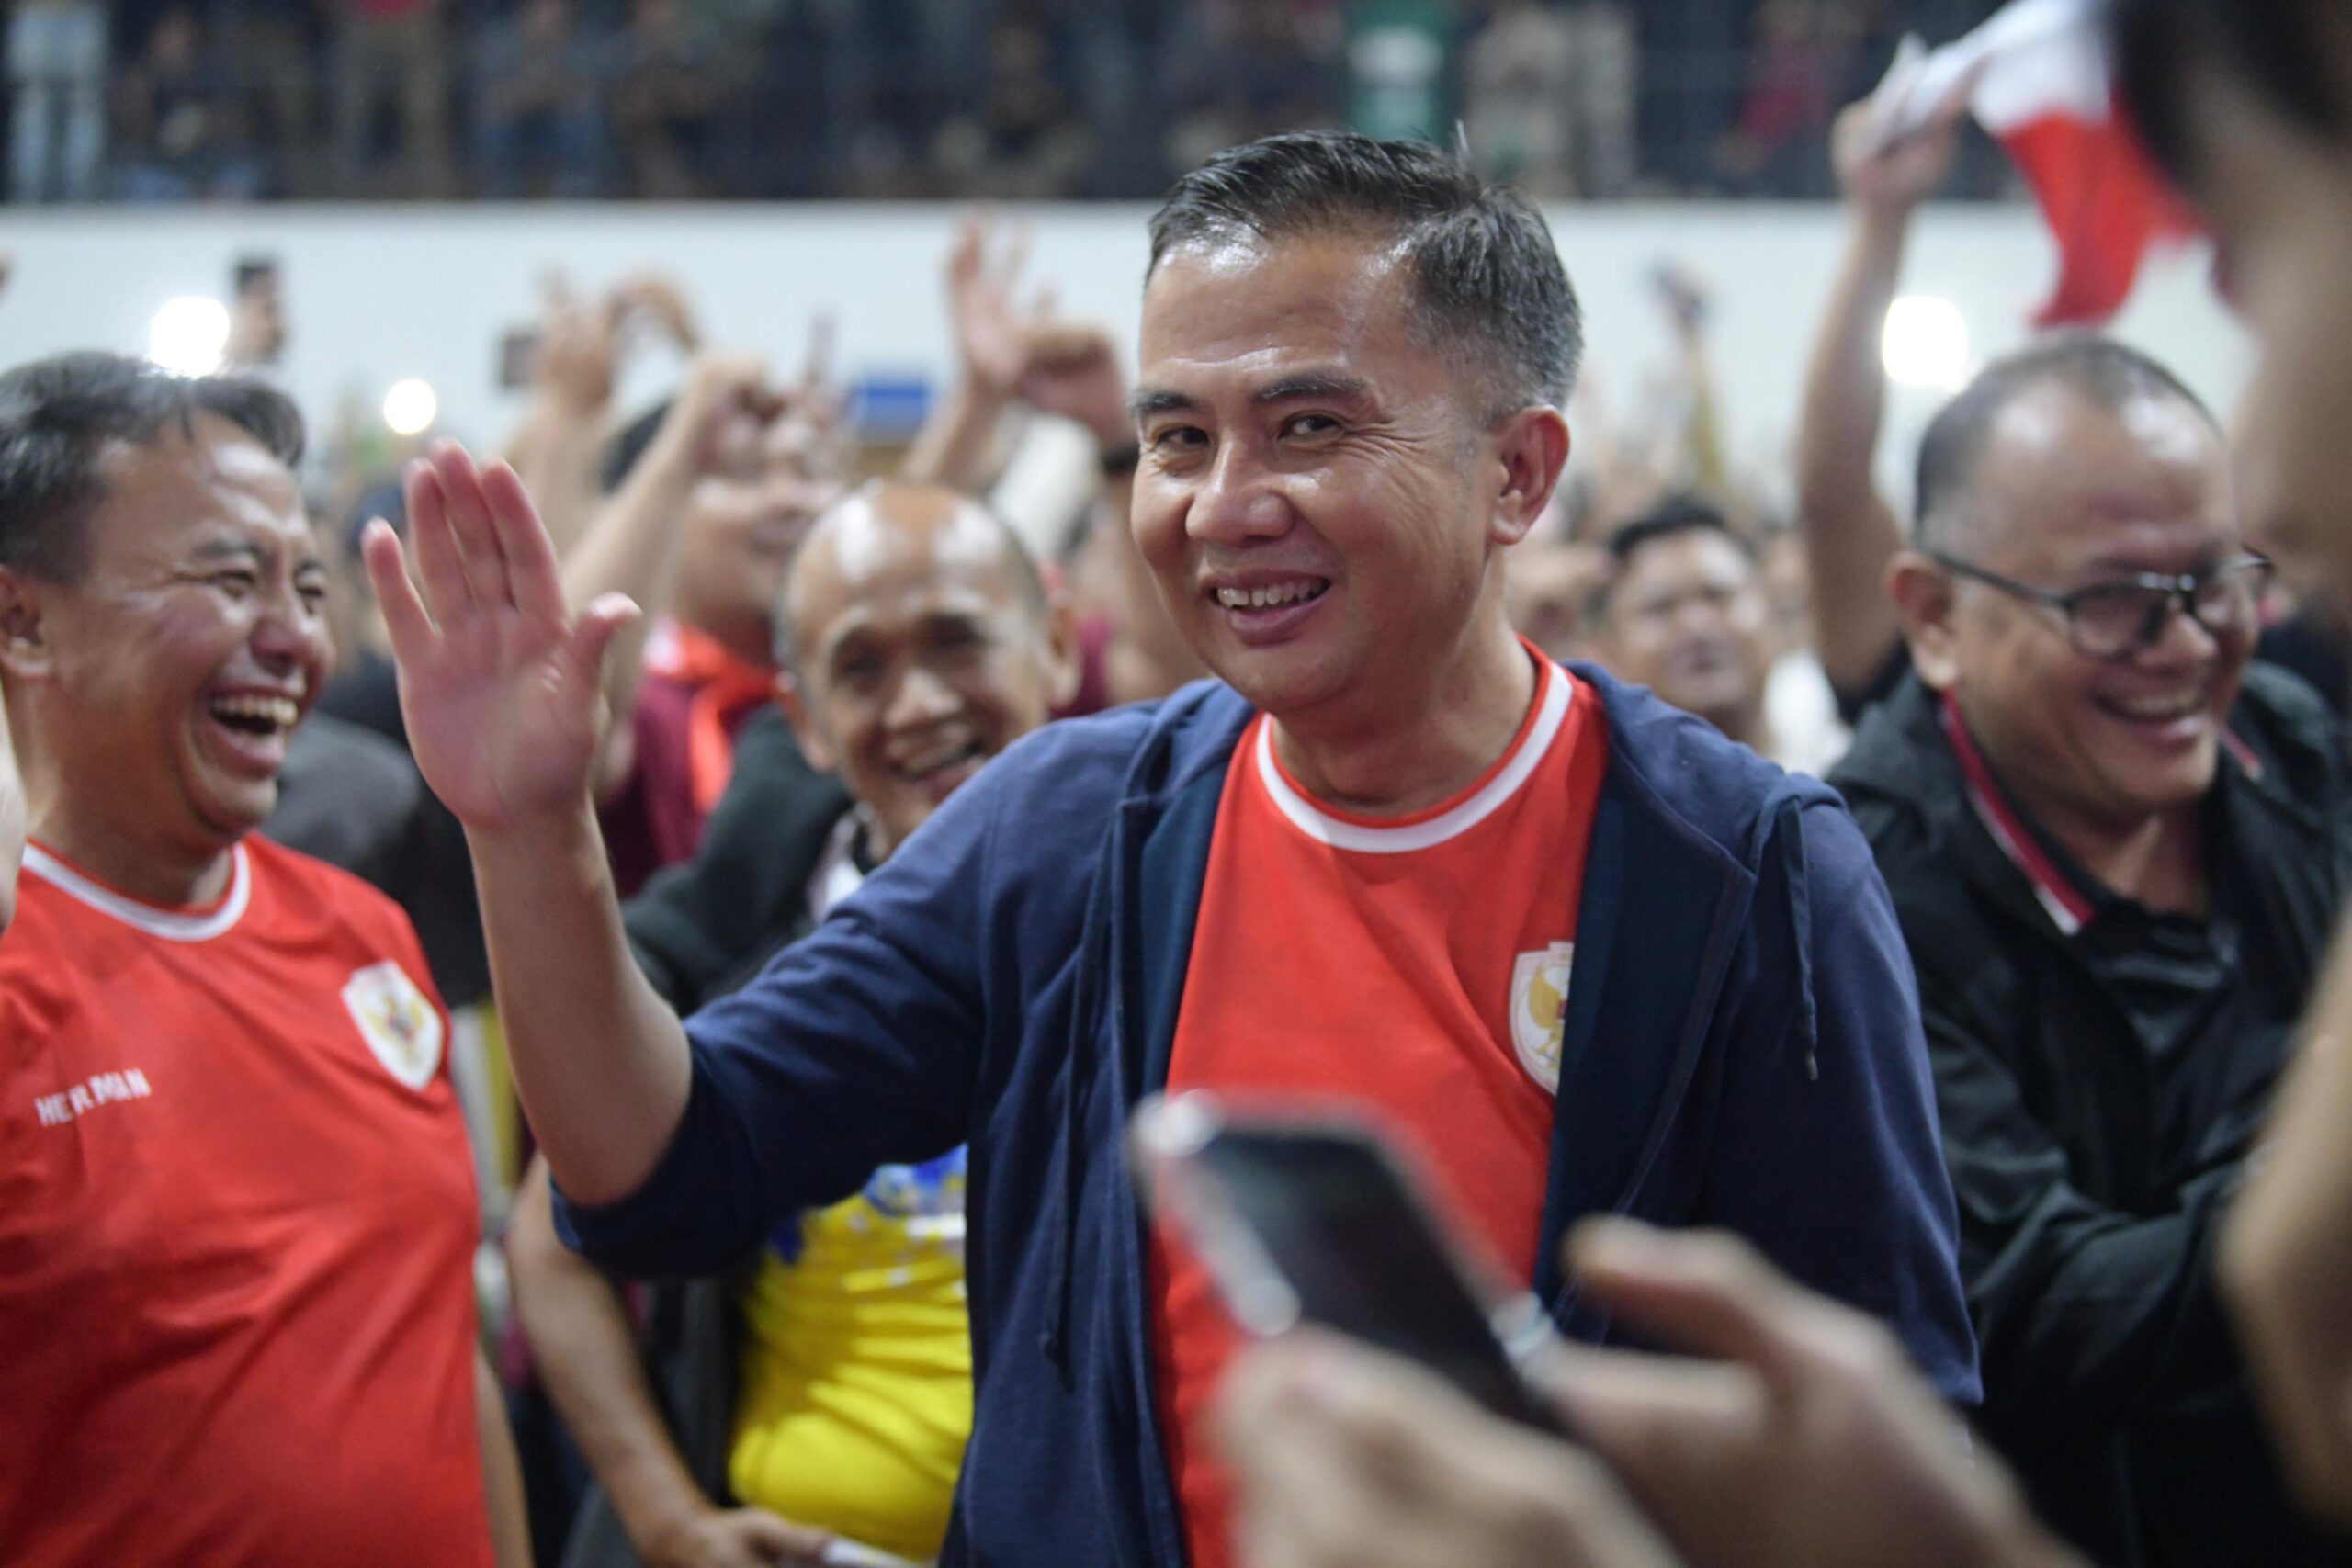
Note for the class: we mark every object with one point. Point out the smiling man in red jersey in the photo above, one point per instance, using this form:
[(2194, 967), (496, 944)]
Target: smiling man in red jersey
[(1583, 953), (2117, 846), (237, 1215)]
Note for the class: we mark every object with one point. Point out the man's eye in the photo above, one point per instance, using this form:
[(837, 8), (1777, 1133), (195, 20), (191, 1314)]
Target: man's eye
[(1309, 424), (236, 581), (954, 640), (1179, 438)]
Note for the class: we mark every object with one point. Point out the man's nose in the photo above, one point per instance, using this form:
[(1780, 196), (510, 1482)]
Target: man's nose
[(1237, 499), (922, 698)]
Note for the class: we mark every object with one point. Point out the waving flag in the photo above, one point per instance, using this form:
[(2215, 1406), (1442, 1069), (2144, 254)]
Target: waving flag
[(2042, 87)]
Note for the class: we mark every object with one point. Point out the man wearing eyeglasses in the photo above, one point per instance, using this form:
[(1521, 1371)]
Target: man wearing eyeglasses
[(2115, 845)]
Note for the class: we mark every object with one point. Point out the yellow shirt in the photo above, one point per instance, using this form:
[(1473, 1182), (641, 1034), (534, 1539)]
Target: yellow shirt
[(857, 1366)]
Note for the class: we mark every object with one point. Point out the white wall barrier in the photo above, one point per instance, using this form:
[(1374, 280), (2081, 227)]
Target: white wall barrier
[(377, 295)]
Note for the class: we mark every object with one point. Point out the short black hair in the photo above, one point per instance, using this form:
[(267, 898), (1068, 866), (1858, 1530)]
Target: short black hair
[(2274, 49), (1484, 261), (1682, 514), (1676, 515), (59, 415), (2110, 375)]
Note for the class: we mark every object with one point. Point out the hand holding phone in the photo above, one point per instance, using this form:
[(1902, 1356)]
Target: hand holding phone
[(1315, 1221)]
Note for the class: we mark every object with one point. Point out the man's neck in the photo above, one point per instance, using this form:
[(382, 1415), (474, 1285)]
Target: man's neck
[(1424, 747), (2157, 861), (744, 636), (1748, 726), (170, 879)]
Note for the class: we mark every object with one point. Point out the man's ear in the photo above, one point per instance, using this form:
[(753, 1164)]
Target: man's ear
[(813, 745), (1923, 593), (1532, 450), (24, 647)]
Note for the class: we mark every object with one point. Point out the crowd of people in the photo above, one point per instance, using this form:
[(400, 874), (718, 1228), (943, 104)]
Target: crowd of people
[(587, 1008), (222, 100)]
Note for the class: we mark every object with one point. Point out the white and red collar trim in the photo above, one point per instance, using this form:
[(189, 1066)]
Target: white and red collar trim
[(171, 925), (2069, 907), (1449, 822)]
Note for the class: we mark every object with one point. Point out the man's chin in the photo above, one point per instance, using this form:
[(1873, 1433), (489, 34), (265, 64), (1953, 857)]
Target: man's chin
[(2157, 786), (1278, 680), (230, 812)]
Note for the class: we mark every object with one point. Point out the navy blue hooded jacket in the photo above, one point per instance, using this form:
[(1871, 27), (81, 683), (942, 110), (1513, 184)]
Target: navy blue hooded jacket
[(1742, 1048)]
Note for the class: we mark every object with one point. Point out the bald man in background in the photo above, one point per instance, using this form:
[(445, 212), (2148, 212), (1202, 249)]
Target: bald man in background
[(921, 642), (2116, 846)]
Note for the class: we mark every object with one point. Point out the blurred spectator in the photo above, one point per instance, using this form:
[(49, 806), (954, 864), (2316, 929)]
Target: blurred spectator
[(1851, 531), (1015, 358), (1248, 71), (1604, 88), (1794, 84), (1550, 585), (922, 644), (669, 82), (1028, 143), (539, 120), (57, 73), (1516, 98), (257, 330), (571, 359), (393, 52), (182, 127), (715, 493), (276, 46), (1684, 613), (1548, 93), (1692, 96)]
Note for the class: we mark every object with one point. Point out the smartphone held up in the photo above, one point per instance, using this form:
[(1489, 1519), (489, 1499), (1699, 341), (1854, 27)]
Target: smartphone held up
[(1315, 1220)]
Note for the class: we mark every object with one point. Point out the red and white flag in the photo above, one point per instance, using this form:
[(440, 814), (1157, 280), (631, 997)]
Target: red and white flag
[(2042, 87)]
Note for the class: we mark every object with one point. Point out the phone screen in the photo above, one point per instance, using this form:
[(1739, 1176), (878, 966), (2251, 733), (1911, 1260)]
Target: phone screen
[(518, 359), (1335, 1217)]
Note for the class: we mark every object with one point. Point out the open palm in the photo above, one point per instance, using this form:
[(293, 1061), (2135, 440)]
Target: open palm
[(501, 683)]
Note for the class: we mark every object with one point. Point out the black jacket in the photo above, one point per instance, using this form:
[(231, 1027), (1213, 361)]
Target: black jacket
[(2089, 1207), (704, 927)]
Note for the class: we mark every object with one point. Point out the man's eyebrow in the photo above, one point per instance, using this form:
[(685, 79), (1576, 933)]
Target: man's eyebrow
[(1151, 401), (222, 549), (1328, 385)]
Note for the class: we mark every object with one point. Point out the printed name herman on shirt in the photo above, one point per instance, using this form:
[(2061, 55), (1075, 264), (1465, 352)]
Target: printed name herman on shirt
[(104, 1088)]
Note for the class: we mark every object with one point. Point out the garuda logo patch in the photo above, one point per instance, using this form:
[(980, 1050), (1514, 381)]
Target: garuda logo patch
[(396, 1020), (1539, 1006)]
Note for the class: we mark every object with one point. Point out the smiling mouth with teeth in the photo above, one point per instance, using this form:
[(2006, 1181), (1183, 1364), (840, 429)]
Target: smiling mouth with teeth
[(1271, 597), (940, 760), (2154, 710), (257, 714)]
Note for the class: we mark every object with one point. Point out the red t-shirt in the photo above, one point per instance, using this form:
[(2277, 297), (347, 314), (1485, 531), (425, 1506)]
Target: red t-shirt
[(1411, 967), (237, 1225)]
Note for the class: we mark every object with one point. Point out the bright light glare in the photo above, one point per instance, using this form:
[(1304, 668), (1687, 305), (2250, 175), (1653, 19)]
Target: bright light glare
[(410, 407), (1926, 343), (190, 335)]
